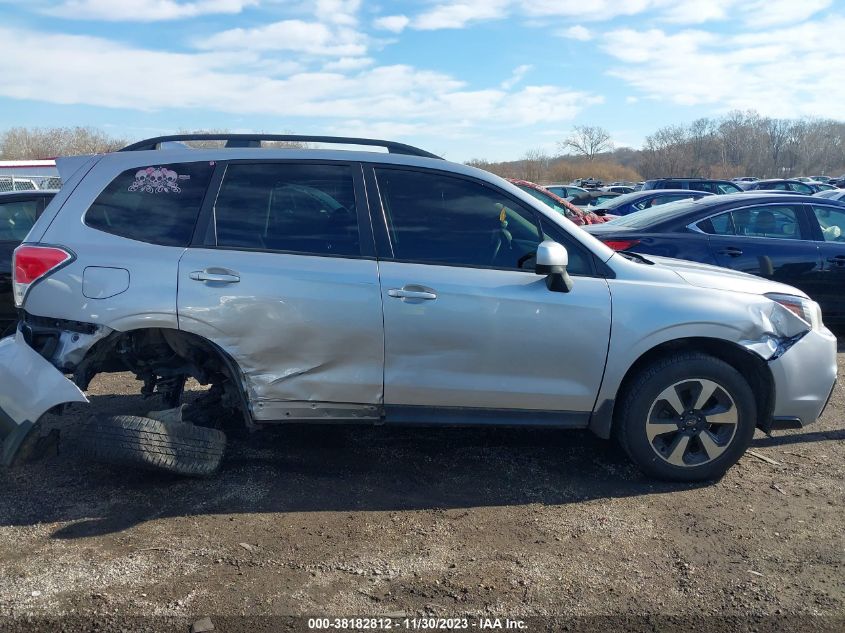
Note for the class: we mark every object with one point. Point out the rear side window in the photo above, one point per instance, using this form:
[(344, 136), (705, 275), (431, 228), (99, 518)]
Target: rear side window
[(307, 209), (16, 218), (157, 204), (773, 221)]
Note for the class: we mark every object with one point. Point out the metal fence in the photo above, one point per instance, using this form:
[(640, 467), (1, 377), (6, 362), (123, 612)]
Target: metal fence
[(29, 183)]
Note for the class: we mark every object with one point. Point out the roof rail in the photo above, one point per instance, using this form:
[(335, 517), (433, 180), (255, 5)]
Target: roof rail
[(254, 140)]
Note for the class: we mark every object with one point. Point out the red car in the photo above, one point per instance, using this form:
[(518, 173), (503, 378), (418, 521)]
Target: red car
[(572, 212)]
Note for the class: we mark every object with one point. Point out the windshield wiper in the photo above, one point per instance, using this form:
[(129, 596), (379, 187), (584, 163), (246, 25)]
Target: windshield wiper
[(636, 257)]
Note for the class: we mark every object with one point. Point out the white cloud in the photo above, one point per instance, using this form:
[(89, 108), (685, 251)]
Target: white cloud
[(759, 13), (144, 10), (457, 15), (312, 38), (99, 72), (782, 12), (767, 70), (516, 76), (341, 12), (348, 63), (577, 32), (393, 23)]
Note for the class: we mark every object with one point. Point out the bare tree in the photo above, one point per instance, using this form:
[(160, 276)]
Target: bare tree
[(19, 143), (587, 141), (535, 164), (224, 131)]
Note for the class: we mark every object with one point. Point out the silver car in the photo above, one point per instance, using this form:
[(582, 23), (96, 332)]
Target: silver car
[(308, 285)]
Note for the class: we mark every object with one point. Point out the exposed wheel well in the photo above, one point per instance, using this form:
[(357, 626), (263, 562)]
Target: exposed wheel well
[(163, 358), (753, 368)]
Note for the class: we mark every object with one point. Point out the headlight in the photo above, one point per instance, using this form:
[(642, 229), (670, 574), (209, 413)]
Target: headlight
[(803, 308)]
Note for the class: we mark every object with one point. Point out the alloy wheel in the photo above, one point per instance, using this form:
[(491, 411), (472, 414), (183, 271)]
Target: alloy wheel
[(692, 422)]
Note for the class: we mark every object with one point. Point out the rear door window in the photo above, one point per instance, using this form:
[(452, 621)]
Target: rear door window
[(294, 208), (158, 204), (772, 221)]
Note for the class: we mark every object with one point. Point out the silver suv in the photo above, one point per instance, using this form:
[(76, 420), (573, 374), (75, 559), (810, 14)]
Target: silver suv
[(384, 287)]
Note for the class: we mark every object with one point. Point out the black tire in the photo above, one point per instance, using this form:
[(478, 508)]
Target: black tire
[(642, 397), (174, 447)]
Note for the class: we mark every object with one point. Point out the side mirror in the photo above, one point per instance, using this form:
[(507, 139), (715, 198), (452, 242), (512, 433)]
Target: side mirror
[(552, 260)]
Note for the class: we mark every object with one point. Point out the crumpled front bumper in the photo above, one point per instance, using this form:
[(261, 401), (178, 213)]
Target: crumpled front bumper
[(29, 387), (804, 377)]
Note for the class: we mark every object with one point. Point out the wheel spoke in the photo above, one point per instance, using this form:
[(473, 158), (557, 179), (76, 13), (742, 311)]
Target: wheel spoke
[(678, 449), (710, 447), (653, 429), (671, 396), (708, 387), (725, 417)]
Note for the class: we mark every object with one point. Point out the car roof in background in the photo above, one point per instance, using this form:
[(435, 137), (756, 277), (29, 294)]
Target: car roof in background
[(27, 193), (703, 206), (649, 193)]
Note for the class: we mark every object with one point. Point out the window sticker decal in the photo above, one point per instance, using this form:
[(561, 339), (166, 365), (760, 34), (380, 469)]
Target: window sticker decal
[(157, 180)]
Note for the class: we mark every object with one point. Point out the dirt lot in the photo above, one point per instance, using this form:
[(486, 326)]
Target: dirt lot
[(372, 521)]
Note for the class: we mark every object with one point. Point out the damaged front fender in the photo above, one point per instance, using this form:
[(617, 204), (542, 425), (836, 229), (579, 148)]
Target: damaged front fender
[(771, 330), (29, 387)]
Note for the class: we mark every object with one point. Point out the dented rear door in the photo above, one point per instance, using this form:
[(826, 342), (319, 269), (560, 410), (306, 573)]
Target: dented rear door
[(285, 282)]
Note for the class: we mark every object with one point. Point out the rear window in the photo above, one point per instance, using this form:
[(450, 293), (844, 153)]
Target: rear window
[(157, 204)]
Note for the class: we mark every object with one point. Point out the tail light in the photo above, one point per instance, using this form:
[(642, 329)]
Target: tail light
[(621, 245), (31, 263)]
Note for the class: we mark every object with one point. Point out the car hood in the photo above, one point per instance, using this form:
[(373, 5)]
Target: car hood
[(717, 278)]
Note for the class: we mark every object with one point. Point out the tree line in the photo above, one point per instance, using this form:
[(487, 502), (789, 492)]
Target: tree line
[(736, 144)]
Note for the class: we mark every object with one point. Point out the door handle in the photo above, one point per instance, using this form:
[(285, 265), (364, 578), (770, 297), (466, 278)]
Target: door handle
[(413, 292), (215, 276), (839, 260), (732, 251)]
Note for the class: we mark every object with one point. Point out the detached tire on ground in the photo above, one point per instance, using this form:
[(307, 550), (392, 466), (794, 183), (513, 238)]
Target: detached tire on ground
[(174, 447), (687, 417)]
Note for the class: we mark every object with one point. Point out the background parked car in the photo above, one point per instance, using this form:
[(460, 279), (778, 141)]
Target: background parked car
[(781, 184), (796, 240), (832, 194), (618, 189), (18, 212), (578, 215), (593, 198), (698, 184), (565, 191), (639, 200), (744, 179)]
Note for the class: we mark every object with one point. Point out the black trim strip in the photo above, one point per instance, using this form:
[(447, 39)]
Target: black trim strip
[(469, 416)]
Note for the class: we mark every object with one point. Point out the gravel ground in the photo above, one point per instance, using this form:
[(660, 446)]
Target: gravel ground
[(482, 523)]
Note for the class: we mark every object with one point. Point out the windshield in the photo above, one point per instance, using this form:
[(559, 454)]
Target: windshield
[(618, 201), (653, 215)]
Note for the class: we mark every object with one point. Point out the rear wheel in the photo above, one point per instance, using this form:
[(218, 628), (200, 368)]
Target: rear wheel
[(174, 447), (688, 417)]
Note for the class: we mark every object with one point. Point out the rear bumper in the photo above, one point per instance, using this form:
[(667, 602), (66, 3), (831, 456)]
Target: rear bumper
[(804, 377), (29, 387)]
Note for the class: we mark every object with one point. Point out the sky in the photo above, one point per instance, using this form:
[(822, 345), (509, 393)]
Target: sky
[(465, 79)]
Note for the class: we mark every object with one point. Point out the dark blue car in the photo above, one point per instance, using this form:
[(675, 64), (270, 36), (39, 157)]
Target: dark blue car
[(797, 240), (638, 200)]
